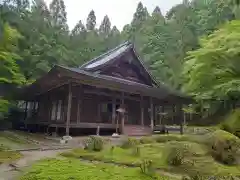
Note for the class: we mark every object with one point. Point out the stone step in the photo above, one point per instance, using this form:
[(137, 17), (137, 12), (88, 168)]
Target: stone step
[(137, 130)]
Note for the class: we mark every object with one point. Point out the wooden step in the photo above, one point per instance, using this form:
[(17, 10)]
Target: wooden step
[(132, 130)]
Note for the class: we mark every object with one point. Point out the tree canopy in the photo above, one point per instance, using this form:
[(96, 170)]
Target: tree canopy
[(170, 45), (212, 71)]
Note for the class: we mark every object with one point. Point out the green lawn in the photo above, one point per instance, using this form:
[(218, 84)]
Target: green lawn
[(76, 170)]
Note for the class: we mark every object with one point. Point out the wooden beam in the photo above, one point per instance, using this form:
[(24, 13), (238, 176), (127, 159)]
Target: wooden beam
[(110, 95), (142, 111), (69, 105), (151, 116)]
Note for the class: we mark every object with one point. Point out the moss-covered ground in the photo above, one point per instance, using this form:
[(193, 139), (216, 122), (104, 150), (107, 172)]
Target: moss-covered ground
[(124, 161), (77, 170), (196, 159)]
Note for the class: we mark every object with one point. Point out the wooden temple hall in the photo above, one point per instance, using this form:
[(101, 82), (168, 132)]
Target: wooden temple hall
[(113, 92)]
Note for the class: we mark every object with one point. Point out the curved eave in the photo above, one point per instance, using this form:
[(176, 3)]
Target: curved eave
[(60, 75)]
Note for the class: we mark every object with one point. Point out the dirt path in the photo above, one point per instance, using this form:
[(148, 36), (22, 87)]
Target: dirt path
[(13, 170)]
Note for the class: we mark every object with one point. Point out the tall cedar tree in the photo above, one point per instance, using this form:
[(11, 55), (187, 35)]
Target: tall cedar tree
[(58, 14), (105, 27), (91, 21), (78, 29), (139, 16)]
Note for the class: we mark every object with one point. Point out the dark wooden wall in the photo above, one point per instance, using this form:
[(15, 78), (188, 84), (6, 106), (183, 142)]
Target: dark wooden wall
[(133, 112), (86, 107)]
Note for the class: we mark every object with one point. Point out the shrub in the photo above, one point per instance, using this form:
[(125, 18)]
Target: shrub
[(175, 153), (219, 134), (146, 167), (197, 176), (225, 151), (129, 143), (200, 177), (223, 146), (94, 143), (147, 140), (175, 156), (185, 178), (136, 151), (232, 123)]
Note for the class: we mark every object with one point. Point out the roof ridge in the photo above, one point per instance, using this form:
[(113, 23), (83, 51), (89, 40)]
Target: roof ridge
[(104, 54)]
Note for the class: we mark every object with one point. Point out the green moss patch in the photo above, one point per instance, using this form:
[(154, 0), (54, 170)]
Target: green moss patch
[(6, 156), (11, 140), (76, 170)]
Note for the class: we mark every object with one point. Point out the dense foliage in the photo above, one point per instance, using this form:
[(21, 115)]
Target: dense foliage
[(44, 39), (231, 123), (217, 59)]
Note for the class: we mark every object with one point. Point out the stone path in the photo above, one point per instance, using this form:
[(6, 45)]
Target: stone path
[(13, 170)]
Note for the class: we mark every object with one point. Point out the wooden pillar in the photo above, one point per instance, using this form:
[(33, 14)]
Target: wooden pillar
[(78, 110), (152, 115), (34, 106), (114, 111), (69, 105), (122, 114), (25, 114), (162, 117), (173, 114), (180, 116), (26, 106), (184, 118), (49, 105), (142, 111), (56, 109), (79, 103), (98, 111)]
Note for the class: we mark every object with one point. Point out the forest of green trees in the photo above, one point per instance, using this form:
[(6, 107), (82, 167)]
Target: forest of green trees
[(194, 47)]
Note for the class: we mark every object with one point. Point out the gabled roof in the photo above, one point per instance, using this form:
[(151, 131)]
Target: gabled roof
[(107, 57), (111, 56), (158, 92), (87, 74)]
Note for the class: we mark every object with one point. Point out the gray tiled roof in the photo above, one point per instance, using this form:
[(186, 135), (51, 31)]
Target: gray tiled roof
[(106, 57)]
